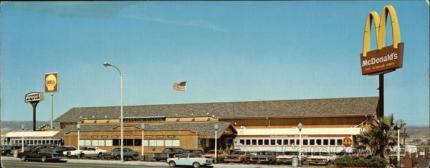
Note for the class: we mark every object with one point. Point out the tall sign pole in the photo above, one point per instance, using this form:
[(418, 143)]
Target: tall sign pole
[(384, 59), (34, 98), (51, 86)]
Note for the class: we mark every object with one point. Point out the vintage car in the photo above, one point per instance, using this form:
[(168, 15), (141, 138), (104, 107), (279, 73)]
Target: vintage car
[(42, 153), (263, 157), (320, 158), (220, 155), (84, 152), (237, 156), (167, 153), (286, 157), (189, 159), (115, 153)]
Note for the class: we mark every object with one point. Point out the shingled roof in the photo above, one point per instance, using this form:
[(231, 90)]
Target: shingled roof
[(358, 106), (202, 129)]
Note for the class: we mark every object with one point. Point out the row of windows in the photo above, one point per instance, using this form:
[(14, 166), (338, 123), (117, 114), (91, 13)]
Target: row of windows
[(276, 142), (130, 142), (33, 142)]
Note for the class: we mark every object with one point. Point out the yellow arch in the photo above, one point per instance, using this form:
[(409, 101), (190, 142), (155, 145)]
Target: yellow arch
[(380, 29), (389, 10), (373, 16)]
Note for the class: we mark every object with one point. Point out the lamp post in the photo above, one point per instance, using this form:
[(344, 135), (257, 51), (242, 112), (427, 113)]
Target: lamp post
[(22, 138), (143, 140), (106, 64), (300, 126), (78, 126), (398, 145), (216, 142)]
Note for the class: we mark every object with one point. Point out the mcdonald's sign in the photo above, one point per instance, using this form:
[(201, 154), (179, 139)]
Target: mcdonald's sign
[(385, 58)]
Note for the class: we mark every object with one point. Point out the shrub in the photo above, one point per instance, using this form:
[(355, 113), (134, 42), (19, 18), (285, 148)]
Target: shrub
[(348, 161)]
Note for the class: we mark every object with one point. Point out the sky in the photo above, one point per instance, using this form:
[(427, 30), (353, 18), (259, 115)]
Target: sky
[(226, 51)]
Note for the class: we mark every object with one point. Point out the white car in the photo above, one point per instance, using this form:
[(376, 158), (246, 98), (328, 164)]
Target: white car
[(189, 159), (85, 152)]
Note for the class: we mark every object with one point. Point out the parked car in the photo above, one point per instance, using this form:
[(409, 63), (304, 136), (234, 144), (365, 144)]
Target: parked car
[(6, 150), (115, 153), (286, 157), (189, 159), (84, 152), (195, 151), (220, 155), (263, 157), (167, 153), (237, 156), (41, 153), (320, 158)]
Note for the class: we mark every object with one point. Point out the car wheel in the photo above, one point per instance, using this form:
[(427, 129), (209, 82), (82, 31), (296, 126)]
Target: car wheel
[(23, 158), (196, 164), (99, 156), (43, 159), (172, 164)]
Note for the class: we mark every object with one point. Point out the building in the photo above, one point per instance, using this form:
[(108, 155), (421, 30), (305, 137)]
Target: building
[(32, 138), (328, 125)]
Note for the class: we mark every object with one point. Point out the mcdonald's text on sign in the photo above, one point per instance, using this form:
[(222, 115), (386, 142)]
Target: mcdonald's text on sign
[(51, 82), (33, 97), (382, 61)]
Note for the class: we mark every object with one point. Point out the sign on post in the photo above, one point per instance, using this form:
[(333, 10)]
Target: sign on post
[(34, 97), (51, 82)]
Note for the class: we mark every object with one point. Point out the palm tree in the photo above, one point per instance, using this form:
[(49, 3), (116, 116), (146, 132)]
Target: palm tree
[(379, 136)]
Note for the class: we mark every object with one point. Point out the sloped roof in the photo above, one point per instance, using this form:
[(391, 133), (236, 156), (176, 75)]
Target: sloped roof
[(358, 106), (202, 129), (31, 134)]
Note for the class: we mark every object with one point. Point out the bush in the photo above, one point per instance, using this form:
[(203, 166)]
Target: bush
[(348, 161)]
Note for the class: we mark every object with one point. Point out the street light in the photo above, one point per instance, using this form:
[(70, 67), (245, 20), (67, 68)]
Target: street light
[(300, 126), (398, 145), (22, 138), (106, 64), (78, 126), (143, 140), (216, 142)]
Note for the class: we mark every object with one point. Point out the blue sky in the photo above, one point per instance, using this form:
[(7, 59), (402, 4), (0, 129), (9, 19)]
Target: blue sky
[(227, 51)]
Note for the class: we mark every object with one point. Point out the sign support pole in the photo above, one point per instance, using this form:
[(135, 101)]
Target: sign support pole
[(52, 109), (34, 105), (381, 96)]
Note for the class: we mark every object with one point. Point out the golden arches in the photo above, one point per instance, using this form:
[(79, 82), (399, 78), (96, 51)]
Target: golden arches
[(380, 28)]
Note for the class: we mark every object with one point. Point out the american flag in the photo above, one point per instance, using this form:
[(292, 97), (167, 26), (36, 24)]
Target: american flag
[(180, 86)]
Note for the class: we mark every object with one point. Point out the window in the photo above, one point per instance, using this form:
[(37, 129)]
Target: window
[(272, 142), (171, 142), (279, 142), (312, 142), (285, 141), (332, 142), (137, 142), (318, 141), (254, 142), (108, 142), (116, 142), (128, 142), (292, 142), (145, 142), (160, 142), (152, 142), (94, 143), (260, 142), (248, 142), (339, 142), (325, 141), (297, 141), (266, 142), (241, 142), (305, 142)]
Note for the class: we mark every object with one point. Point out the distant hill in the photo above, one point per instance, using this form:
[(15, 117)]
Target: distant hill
[(7, 126)]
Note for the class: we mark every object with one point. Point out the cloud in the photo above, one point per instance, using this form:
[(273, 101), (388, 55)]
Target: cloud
[(72, 9), (197, 24)]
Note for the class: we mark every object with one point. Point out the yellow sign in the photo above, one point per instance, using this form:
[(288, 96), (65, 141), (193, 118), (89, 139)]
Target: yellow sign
[(51, 82), (383, 59)]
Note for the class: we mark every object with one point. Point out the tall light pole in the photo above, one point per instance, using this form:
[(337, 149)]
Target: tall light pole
[(216, 142), (22, 138), (300, 126), (143, 140), (106, 64), (78, 126), (398, 146)]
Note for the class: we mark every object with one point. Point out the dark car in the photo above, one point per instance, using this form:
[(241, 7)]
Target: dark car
[(167, 153), (263, 157), (115, 153), (237, 156), (42, 153), (6, 150)]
